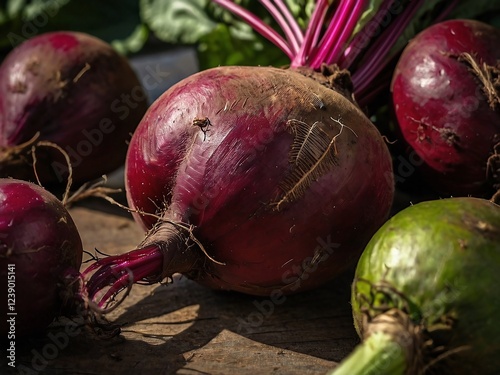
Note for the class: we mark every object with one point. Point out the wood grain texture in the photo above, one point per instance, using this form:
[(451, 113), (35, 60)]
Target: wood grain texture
[(185, 328)]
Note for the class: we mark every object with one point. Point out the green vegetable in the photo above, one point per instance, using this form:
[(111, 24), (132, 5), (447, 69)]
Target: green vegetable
[(425, 295), (222, 39), (163, 18)]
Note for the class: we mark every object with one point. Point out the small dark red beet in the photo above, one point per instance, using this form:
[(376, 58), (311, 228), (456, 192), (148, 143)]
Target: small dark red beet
[(74, 90), (446, 100), (40, 257)]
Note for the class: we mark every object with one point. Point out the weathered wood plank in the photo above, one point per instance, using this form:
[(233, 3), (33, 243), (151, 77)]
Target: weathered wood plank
[(184, 328)]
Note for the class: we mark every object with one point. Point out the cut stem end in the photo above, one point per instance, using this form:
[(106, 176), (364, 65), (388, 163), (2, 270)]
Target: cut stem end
[(389, 347), (166, 250)]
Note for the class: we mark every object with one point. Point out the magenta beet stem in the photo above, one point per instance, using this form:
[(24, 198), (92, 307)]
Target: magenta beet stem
[(120, 271)]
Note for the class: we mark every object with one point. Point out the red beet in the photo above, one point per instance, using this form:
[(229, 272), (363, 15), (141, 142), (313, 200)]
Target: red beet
[(446, 100), (40, 257), (74, 90), (264, 180)]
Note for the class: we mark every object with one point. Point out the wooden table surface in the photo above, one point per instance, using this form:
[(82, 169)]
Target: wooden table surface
[(185, 328)]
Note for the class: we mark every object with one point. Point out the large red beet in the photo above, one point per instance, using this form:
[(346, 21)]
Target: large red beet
[(263, 180)]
